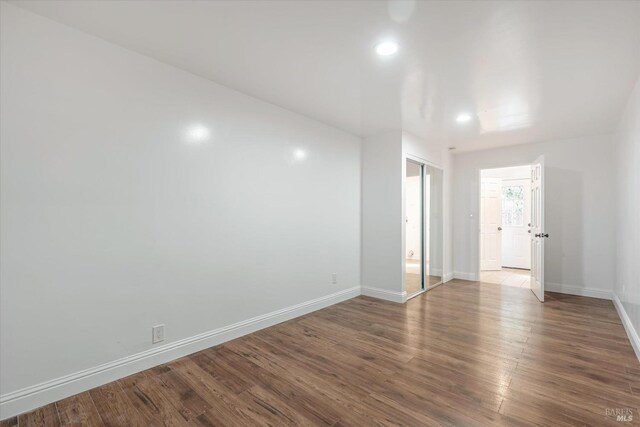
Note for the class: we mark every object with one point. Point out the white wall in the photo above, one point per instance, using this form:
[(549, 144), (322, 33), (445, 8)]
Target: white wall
[(382, 250), (579, 181), (112, 221), (515, 172), (627, 286)]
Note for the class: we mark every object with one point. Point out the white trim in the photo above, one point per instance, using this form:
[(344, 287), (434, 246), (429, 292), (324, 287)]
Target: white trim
[(447, 277), (577, 290), (416, 294), (424, 161), (384, 294), (32, 397), (628, 325), (466, 276)]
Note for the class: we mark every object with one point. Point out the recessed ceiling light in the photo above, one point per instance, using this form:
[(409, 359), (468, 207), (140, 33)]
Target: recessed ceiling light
[(197, 133), (463, 118), (299, 154), (386, 48)]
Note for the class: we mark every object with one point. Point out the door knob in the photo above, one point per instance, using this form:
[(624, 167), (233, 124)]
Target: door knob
[(499, 228)]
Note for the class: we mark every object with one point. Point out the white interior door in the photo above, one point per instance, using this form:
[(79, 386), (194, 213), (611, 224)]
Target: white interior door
[(516, 217), (537, 228), (491, 224)]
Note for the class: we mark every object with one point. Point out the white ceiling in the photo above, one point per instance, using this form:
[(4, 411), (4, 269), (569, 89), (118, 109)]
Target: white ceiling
[(527, 71)]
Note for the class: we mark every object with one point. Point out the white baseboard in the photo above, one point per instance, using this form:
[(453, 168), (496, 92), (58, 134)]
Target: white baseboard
[(628, 326), (33, 397), (466, 276), (447, 277), (384, 294), (577, 290), (428, 288)]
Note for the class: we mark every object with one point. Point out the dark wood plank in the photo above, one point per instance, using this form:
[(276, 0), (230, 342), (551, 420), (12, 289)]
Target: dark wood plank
[(114, 407), (187, 401), (45, 416), (9, 422), (78, 411), (148, 397)]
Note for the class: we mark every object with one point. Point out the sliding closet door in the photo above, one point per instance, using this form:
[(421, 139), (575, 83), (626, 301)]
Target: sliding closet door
[(414, 222)]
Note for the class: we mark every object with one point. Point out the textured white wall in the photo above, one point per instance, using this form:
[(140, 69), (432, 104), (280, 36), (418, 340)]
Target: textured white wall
[(114, 221), (578, 212)]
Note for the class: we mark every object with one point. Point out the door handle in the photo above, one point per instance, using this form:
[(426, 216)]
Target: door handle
[(542, 235), (499, 228)]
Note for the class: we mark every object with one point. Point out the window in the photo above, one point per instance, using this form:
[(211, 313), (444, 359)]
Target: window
[(513, 205)]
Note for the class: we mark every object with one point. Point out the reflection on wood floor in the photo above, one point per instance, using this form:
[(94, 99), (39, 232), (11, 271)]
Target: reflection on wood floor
[(465, 353)]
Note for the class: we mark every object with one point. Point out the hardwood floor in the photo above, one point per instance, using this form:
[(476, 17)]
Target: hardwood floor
[(463, 354)]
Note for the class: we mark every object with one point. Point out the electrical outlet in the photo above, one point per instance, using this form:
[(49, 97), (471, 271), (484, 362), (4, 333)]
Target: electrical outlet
[(157, 334), (334, 278)]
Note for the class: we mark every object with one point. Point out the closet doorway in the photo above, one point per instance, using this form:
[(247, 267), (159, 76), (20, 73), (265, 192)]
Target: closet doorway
[(423, 227)]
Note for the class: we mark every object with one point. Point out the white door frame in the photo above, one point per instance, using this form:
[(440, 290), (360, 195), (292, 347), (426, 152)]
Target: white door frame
[(478, 206)]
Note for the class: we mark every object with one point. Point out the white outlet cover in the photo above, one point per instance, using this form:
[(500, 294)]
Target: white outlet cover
[(157, 334)]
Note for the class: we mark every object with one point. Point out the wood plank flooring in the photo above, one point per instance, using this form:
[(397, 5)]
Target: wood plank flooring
[(463, 354)]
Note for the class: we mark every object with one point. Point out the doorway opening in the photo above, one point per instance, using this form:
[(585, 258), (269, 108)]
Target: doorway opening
[(505, 226), (416, 202)]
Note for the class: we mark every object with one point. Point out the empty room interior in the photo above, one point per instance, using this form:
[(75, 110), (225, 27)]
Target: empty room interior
[(342, 213)]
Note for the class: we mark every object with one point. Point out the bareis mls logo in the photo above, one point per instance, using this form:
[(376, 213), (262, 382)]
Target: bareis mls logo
[(620, 414)]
